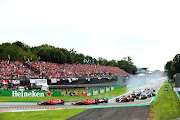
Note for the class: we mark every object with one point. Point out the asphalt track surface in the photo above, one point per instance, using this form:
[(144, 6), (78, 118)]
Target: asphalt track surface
[(115, 113), (138, 109)]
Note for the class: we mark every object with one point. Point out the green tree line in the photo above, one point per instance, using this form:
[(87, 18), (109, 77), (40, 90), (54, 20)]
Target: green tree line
[(48, 53), (172, 67)]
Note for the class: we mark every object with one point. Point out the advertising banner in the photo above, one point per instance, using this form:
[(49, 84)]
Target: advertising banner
[(32, 81), (176, 89), (101, 90), (112, 88), (41, 81), (31, 93), (107, 89), (89, 94), (53, 80), (95, 92)]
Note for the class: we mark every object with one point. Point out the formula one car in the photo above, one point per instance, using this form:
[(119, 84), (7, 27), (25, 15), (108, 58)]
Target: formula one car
[(150, 90), (86, 102), (141, 97), (133, 95), (52, 102), (125, 99), (138, 91), (150, 94), (102, 100)]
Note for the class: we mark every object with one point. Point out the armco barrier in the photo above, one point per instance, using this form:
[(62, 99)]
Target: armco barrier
[(31, 93)]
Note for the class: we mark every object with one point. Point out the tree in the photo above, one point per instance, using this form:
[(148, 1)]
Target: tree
[(176, 61), (169, 69), (52, 54), (127, 65)]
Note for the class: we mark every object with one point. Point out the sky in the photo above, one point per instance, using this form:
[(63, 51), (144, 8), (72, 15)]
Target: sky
[(147, 31)]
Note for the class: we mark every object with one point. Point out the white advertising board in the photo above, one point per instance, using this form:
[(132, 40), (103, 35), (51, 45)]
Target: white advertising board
[(176, 89)]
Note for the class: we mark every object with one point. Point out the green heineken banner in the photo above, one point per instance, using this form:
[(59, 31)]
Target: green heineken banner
[(117, 87), (31, 93)]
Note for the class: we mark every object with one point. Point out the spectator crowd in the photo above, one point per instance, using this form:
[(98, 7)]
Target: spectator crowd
[(12, 71), (53, 70)]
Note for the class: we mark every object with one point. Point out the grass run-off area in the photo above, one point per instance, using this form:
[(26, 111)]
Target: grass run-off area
[(109, 94), (166, 106), (41, 115)]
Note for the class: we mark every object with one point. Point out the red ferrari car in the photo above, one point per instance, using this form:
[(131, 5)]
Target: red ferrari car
[(85, 102), (52, 102)]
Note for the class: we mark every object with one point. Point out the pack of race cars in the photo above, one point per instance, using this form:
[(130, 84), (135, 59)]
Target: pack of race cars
[(137, 94)]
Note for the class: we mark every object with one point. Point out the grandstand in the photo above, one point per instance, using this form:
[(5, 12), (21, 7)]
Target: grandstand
[(60, 74)]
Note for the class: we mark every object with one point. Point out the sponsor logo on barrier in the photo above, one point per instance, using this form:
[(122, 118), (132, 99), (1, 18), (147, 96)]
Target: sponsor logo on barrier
[(27, 94), (107, 89), (112, 88), (95, 92), (89, 94), (176, 89), (101, 90)]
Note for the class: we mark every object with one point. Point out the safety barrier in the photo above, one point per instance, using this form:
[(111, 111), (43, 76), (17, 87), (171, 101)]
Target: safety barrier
[(31, 93), (102, 90)]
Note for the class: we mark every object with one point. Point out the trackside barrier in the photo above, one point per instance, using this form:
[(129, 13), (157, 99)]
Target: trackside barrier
[(102, 90), (117, 87), (31, 93), (89, 94), (106, 89), (95, 92)]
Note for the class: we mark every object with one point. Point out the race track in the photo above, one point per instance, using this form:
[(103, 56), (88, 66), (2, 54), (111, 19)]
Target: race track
[(132, 107)]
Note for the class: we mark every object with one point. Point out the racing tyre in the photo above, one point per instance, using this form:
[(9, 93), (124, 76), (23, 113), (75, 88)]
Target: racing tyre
[(79, 103), (96, 103)]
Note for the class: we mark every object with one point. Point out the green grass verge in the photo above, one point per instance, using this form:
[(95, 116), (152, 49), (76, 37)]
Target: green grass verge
[(109, 94), (166, 106), (41, 115)]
